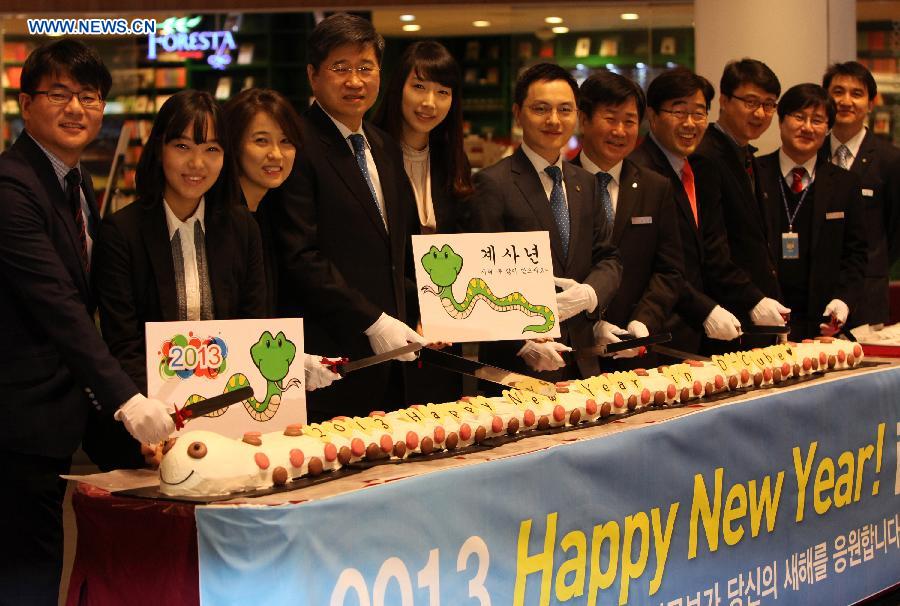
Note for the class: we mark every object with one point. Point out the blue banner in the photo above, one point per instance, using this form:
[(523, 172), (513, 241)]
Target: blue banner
[(791, 498)]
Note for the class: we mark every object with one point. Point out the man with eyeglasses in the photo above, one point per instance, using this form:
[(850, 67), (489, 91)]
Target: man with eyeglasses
[(877, 164), (54, 366), (535, 189), (343, 221), (814, 211), (678, 104), (638, 202), (725, 170)]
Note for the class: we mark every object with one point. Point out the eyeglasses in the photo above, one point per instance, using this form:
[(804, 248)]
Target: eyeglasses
[(753, 104), (815, 121), (365, 72), (682, 114), (62, 96), (543, 109)]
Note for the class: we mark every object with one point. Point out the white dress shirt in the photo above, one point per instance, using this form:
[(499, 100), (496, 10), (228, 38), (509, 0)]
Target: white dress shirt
[(539, 165), (185, 230), (615, 172), (852, 144)]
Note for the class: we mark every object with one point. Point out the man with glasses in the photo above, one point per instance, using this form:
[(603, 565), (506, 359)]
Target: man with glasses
[(678, 106), (725, 171), (54, 366), (814, 211), (536, 190), (638, 202), (877, 164), (343, 221)]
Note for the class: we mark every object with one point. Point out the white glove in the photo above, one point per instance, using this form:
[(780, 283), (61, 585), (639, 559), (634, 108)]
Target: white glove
[(574, 299), (768, 312), (146, 419), (543, 355), (606, 333), (637, 330), (721, 324), (838, 311), (389, 333), (317, 374)]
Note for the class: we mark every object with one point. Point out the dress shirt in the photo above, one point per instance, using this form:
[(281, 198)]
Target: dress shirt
[(539, 165), (615, 172), (852, 144), (787, 166), (185, 230)]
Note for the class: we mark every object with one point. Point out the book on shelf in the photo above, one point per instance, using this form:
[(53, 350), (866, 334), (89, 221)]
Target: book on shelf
[(492, 76), (526, 49), (667, 46), (470, 76), (12, 76), (609, 47), (245, 53), (223, 88), (15, 51), (583, 47)]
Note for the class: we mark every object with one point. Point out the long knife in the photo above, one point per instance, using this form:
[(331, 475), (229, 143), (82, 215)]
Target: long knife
[(342, 367), (601, 350), (204, 407), (678, 354), (479, 370)]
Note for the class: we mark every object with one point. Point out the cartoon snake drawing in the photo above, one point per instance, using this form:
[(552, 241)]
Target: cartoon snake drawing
[(273, 357), (443, 267)]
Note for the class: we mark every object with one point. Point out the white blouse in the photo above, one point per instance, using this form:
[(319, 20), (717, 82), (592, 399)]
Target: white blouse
[(418, 168)]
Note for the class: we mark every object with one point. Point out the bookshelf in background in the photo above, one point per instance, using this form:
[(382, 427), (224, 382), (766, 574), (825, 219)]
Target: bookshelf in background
[(878, 48)]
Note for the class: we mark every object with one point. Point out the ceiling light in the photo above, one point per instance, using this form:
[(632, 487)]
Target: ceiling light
[(481, 23), (560, 29), (553, 20), (407, 18), (412, 27), (629, 16)]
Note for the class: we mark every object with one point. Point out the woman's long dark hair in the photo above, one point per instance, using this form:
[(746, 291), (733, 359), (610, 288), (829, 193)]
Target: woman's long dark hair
[(430, 60), (189, 107)]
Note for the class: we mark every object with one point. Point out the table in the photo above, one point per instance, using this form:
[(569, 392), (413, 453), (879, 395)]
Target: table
[(791, 490)]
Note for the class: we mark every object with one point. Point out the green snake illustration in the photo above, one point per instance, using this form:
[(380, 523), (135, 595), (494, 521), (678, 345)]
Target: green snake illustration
[(273, 357), (443, 267)]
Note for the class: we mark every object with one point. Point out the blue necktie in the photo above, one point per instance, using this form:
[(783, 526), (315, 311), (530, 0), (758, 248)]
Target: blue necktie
[(559, 207), (359, 150), (604, 179)]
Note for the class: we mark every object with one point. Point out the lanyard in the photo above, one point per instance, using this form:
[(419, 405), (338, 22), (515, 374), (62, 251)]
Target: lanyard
[(791, 217)]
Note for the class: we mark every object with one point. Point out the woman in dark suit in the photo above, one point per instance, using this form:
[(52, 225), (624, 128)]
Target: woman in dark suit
[(184, 250), (422, 110)]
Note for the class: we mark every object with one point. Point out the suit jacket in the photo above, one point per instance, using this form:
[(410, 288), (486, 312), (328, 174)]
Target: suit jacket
[(449, 209), (649, 249), (509, 197), (263, 216), (721, 181), (60, 366), (838, 245), (134, 275), (340, 268), (878, 167)]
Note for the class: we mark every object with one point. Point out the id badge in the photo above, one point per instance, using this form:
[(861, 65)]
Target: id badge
[(790, 246)]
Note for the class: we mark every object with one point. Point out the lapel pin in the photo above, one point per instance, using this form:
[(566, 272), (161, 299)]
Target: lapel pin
[(634, 185), (577, 188)]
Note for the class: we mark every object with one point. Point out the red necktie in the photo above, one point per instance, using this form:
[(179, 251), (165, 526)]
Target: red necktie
[(687, 180), (73, 193), (797, 184)]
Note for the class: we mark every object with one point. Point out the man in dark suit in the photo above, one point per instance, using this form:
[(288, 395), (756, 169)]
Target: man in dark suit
[(877, 164), (639, 204), (54, 365), (678, 108), (343, 223), (815, 213), (535, 190), (725, 171)]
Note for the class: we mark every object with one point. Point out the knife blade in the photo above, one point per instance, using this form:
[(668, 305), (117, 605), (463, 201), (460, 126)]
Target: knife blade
[(678, 354), (479, 370), (204, 407), (343, 368), (839, 328), (600, 350)]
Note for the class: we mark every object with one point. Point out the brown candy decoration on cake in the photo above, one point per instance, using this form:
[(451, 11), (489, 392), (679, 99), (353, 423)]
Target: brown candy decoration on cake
[(344, 455), (480, 434), (452, 441), (427, 446), (543, 422), (293, 430), (757, 379), (732, 382), (632, 402), (513, 426), (575, 417), (399, 449), (253, 438), (279, 476), (197, 450), (315, 466), (605, 409), (659, 398)]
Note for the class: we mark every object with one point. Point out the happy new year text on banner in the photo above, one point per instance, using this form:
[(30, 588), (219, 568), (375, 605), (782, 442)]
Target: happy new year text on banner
[(788, 498)]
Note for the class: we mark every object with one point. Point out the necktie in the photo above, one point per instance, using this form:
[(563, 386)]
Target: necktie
[(798, 172), (559, 207), (359, 150), (604, 180), (206, 302), (843, 157), (748, 166), (687, 180), (73, 195)]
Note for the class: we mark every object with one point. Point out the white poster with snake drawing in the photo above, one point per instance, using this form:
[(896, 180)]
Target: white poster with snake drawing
[(191, 361), (486, 287)]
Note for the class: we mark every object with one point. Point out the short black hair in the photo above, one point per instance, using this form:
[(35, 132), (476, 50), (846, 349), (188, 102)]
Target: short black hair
[(854, 69), (677, 83), (66, 56), (805, 95), (541, 72), (340, 29), (187, 108), (748, 71), (604, 87)]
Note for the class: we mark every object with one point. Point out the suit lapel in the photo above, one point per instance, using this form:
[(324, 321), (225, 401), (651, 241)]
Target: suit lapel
[(865, 158), (820, 205), (387, 185), (344, 163), (629, 194), (159, 250), (770, 195), (579, 211), (529, 185)]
